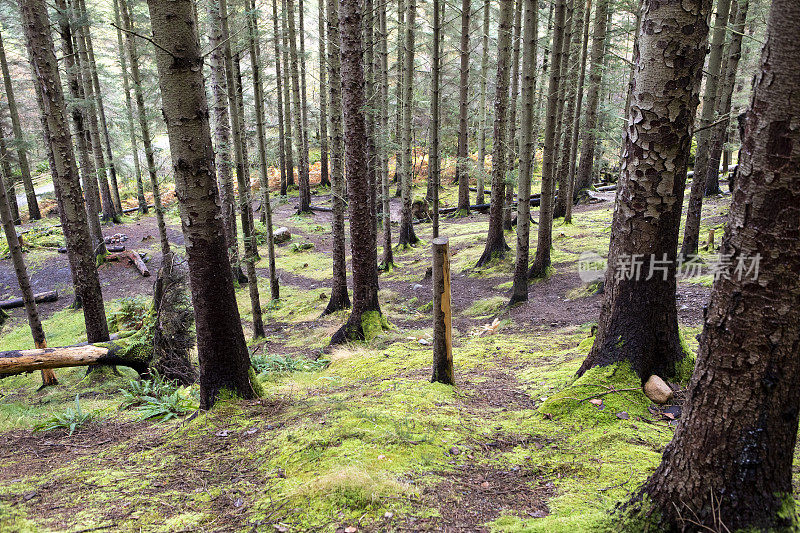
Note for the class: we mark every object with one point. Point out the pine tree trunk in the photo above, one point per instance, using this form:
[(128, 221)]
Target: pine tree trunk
[(541, 261), (8, 178), (324, 178), (583, 177), (22, 152), (340, 299), (137, 171), (364, 253), (434, 157), (133, 58), (369, 111), (729, 465), (287, 102), (39, 41), (302, 149), (388, 258), (285, 170), (691, 232), (484, 76), (407, 235), (221, 348), (511, 141), (527, 147), (301, 17), (462, 155), (255, 65), (638, 321), (400, 68)]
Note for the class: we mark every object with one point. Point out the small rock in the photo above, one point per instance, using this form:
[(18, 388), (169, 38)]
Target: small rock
[(657, 390), (350, 529), (424, 342), (454, 450), (417, 287), (622, 415), (282, 235), (29, 495)]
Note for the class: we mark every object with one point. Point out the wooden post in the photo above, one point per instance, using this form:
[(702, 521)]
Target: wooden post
[(442, 313), (711, 240)]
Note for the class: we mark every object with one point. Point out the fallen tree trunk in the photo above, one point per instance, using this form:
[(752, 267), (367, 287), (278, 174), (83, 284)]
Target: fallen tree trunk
[(133, 258), (42, 297), (132, 209)]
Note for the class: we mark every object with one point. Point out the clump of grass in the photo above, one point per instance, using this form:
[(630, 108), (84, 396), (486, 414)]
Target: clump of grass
[(157, 398), (302, 246), (71, 419), (487, 307), (277, 364)]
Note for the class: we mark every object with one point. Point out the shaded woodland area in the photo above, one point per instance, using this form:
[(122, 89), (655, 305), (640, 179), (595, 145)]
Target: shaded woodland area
[(489, 265)]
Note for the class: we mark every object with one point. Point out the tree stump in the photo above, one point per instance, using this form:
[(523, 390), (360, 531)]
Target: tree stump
[(442, 313)]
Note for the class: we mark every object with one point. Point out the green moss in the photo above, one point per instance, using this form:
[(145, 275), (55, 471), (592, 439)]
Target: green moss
[(487, 307), (373, 324)]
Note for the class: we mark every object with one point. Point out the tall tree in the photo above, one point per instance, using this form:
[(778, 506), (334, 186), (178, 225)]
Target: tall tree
[(126, 87), (282, 159), (527, 150), (144, 126), (36, 24), (302, 148), (583, 176), (19, 141), (8, 178), (221, 348), (407, 235), (366, 309), (287, 102), (496, 246), (639, 321), (482, 102), (691, 233), (541, 261), (388, 258), (434, 157), (462, 154), (400, 64), (339, 298), (369, 111), (511, 141), (729, 465), (324, 178)]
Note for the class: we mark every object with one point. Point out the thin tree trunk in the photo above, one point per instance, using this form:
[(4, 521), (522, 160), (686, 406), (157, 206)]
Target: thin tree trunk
[(133, 58), (8, 178), (511, 142), (287, 101), (301, 17), (36, 24), (388, 258), (407, 236), (221, 348), (19, 140), (639, 321), (400, 68), (302, 149), (324, 179), (285, 169), (729, 465), (527, 146), (462, 155), (339, 298), (484, 76), (369, 111), (142, 201), (583, 177), (434, 157), (496, 246), (366, 309)]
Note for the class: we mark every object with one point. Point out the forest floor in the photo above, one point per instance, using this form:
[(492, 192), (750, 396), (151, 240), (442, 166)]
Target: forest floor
[(355, 438)]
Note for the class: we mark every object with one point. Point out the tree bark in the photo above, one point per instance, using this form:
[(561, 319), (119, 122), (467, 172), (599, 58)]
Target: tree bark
[(484, 76), (302, 137), (442, 311), (400, 68), (462, 155), (285, 169), (407, 236), (19, 140), (511, 141), (729, 465), (8, 178), (221, 348), (364, 253), (527, 153), (36, 24), (638, 321), (388, 258), (496, 246), (287, 102), (434, 157), (324, 178), (544, 241), (133, 58)]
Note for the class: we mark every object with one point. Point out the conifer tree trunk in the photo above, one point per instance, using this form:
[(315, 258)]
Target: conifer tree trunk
[(22, 152), (36, 24), (434, 162), (462, 155), (324, 179), (387, 264), (369, 111), (8, 178), (527, 150), (400, 68), (729, 465), (221, 348), (340, 299), (407, 235), (366, 309), (583, 176), (691, 232), (484, 76), (496, 246), (141, 111), (638, 321), (137, 171), (287, 102), (302, 148), (279, 89), (301, 17), (15, 251), (258, 91), (222, 137), (511, 141)]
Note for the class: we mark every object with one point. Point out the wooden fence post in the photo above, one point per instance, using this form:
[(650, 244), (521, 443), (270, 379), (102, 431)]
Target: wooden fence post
[(442, 314)]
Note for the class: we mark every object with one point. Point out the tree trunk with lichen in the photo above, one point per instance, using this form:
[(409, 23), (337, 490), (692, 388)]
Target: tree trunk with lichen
[(221, 348), (364, 252), (729, 465), (639, 321), (496, 246)]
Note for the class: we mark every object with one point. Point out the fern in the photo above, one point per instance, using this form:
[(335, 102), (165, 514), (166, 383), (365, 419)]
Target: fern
[(71, 419)]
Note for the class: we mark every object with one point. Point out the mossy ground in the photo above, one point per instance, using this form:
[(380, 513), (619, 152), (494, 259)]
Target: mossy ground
[(367, 440)]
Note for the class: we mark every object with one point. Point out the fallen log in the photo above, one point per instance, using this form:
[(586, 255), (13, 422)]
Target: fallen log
[(133, 258), (109, 249), (132, 209), (42, 297), (534, 201), (320, 208)]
